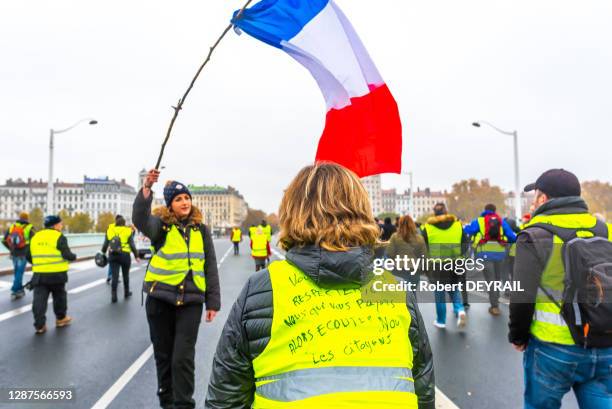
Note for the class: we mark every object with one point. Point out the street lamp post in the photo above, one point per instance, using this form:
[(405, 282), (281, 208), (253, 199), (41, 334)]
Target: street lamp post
[(517, 188), (50, 184)]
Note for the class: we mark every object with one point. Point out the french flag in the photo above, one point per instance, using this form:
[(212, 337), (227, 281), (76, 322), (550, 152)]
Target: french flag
[(362, 131)]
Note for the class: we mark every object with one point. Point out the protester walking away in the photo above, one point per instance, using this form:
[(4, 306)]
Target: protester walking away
[(17, 240), (182, 276), (260, 248), (406, 242), (236, 238), (491, 235), (445, 239), (50, 256), (387, 229), (267, 229), (119, 241), (273, 353), (562, 320)]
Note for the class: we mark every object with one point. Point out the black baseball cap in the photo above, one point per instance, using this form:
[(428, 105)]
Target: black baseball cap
[(556, 183)]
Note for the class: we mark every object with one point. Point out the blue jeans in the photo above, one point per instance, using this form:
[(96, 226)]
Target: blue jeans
[(552, 369), (19, 265), (440, 297)]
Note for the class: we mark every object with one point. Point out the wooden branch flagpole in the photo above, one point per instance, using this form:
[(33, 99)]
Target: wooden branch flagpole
[(181, 101)]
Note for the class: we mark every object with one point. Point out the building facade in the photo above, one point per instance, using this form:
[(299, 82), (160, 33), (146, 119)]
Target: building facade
[(389, 199), (424, 201), (104, 195), (222, 207), (93, 196), (402, 203), (373, 187)]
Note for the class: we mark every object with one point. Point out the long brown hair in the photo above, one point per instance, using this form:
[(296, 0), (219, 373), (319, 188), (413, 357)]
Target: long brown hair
[(326, 205), (406, 228)]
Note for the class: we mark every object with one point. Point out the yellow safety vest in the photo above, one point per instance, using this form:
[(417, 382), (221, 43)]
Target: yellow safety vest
[(267, 229), (124, 234), (548, 325), (330, 349), (259, 243), (173, 261), (236, 235), (492, 246), (46, 257), (444, 243)]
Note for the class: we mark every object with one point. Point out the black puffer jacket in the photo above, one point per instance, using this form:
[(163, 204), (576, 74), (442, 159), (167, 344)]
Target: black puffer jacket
[(248, 327)]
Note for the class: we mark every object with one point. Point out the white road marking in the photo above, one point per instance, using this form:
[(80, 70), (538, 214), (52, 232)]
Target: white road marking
[(13, 313), (18, 311), (5, 285), (127, 376), (123, 380), (87, 286), (443, 402), (224, 256)]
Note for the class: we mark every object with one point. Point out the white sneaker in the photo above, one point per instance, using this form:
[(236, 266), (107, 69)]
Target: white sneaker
[(438, 325), (461, 319)]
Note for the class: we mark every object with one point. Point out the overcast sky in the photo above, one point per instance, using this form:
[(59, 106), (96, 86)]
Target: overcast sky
[(542, 67)]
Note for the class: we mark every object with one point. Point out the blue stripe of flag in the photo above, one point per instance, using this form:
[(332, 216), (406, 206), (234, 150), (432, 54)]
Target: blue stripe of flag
[(273, 21)]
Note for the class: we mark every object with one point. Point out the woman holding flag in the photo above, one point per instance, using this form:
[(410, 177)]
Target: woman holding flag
[(181, 277)]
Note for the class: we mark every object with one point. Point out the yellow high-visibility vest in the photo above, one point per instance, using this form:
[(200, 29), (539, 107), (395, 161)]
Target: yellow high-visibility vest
[(331, 349), (236, 235), (548, 325), (444, 243), (124, 233), (173, 261), (259, 243), (46, 257), (267, 229)]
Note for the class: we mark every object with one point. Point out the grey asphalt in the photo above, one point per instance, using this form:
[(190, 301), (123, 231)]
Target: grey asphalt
[(475, 367)]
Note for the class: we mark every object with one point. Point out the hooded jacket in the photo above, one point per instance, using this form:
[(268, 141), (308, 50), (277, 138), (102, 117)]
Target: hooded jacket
[(248, 328), (155, 227), (533, 248)]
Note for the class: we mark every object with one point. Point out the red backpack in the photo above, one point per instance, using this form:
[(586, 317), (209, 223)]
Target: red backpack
[(493, 229), (16, 238)]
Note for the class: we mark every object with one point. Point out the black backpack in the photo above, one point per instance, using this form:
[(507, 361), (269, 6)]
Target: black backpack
[(115, 245), (586, 305)]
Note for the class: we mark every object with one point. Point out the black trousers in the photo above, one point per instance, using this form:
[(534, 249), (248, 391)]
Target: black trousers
[(41, 296), (236, 247), (174, 332), (120, 261)]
